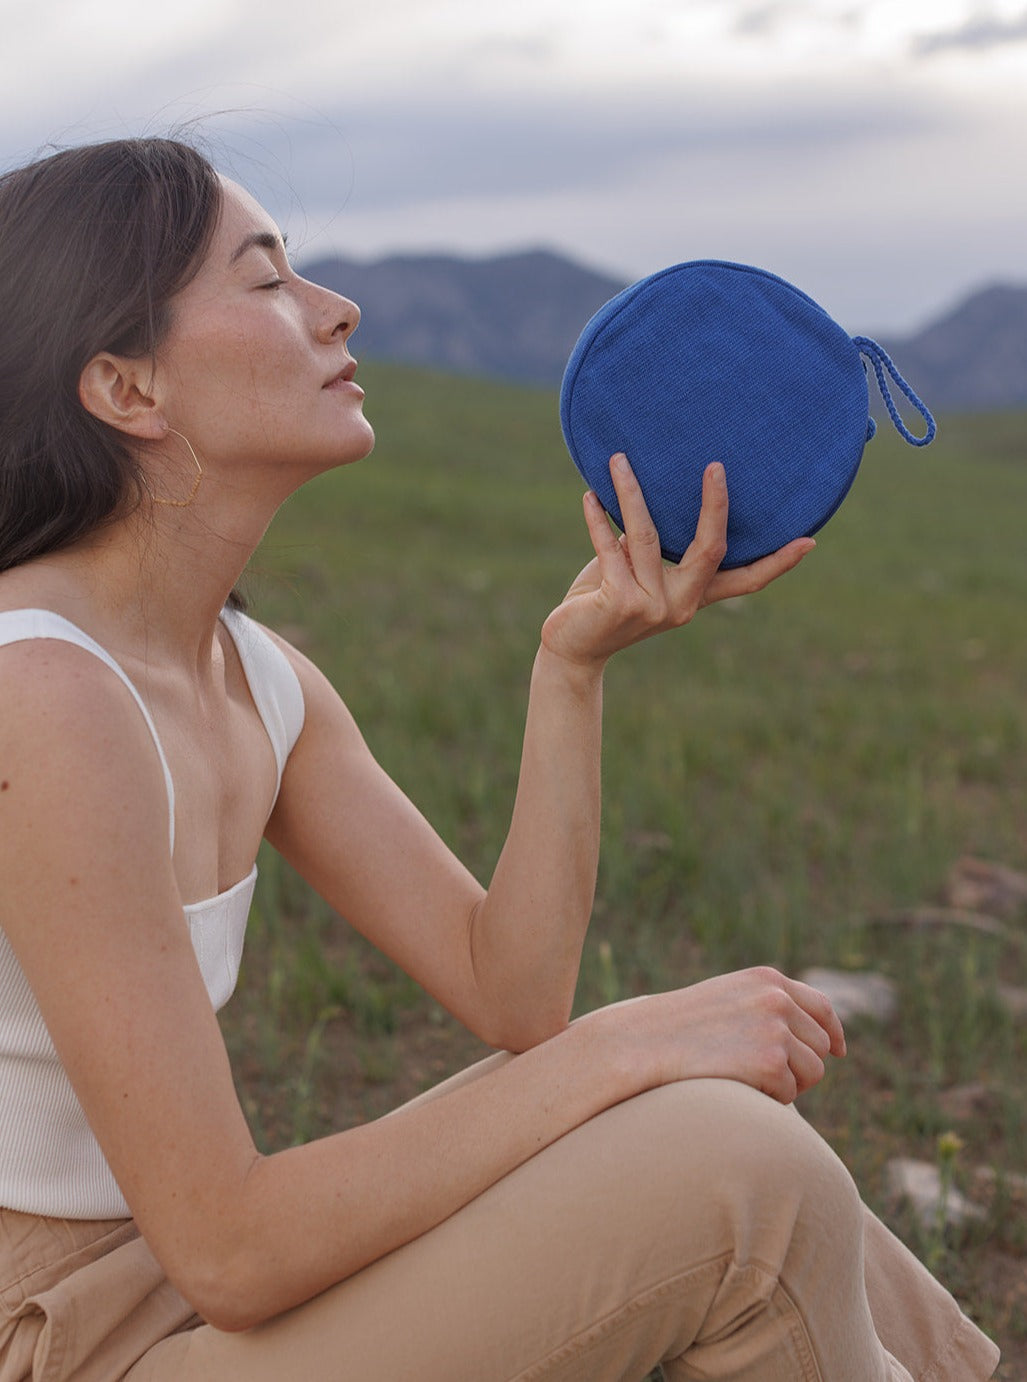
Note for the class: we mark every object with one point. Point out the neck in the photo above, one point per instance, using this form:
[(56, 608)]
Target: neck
[(159, 577)]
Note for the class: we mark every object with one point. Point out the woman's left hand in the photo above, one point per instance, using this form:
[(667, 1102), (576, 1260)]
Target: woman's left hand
[(627, 592)]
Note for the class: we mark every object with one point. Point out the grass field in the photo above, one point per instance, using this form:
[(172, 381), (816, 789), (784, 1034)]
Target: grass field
[(780, 777)]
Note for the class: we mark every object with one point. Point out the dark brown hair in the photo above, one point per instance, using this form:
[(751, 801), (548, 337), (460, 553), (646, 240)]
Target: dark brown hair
[(94, 242)]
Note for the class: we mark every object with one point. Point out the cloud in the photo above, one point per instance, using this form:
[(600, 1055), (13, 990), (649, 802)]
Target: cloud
[(759, 20), (401, 152), (984, 32), (785, 132), (771, 17), (848, 198)]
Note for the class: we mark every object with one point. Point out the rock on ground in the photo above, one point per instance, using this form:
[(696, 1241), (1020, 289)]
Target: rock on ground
[(919, 1182), (977, 885), (1014, 1000), (863, 994)]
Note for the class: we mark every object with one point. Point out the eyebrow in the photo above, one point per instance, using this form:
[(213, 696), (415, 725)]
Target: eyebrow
[(261, 239)]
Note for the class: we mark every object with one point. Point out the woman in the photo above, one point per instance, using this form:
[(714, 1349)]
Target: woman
[(620, 1192)]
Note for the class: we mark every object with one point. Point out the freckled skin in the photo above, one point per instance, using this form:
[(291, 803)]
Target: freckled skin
[(254, 369)]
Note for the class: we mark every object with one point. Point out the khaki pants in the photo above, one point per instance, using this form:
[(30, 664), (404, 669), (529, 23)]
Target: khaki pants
[(701, 1225)]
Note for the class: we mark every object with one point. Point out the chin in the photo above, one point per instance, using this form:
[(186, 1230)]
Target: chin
[(366, 444), (355, 448)]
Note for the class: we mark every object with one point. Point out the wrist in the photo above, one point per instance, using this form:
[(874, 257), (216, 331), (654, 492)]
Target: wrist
[(612, 1043), (581, 678)]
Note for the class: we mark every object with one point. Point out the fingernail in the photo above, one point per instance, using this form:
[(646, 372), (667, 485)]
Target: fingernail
[(619, 460)]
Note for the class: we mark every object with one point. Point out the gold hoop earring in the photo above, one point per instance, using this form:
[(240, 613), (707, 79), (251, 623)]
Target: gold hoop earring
[(184, 503)]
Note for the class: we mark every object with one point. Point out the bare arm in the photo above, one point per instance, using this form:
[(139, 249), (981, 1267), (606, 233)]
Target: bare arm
[(529, 930), (504, 961), (89, 902)]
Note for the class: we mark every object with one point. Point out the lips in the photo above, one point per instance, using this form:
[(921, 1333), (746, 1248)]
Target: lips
[(345, 375)]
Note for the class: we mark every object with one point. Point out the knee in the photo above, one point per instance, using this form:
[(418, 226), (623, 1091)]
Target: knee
[(758, 1162)]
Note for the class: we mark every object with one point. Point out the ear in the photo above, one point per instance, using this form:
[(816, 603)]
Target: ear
[(118, 390)]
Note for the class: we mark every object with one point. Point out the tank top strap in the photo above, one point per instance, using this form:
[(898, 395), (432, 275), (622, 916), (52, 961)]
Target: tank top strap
[(19, 625), (273, 684)]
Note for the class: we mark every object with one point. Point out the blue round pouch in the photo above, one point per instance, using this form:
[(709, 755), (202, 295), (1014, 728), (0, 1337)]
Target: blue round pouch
[(713, 361)]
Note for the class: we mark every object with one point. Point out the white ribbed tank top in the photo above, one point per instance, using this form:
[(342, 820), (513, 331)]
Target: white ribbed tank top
[(50, 1162)]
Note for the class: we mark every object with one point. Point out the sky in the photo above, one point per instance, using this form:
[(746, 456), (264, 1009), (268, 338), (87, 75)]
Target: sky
[(870, 151)]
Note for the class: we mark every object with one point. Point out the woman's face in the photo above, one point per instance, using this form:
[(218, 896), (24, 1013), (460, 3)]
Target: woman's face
[(255, 369)]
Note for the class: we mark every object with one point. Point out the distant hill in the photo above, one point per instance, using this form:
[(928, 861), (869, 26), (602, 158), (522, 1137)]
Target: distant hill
[(512, 317), (973, 358), (517, 317)]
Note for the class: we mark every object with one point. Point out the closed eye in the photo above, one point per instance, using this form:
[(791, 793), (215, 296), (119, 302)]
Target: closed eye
[(275, 283)]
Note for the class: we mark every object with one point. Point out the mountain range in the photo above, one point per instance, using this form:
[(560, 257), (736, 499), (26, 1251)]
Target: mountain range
[(517, 316), (974, 358), (513, 317)]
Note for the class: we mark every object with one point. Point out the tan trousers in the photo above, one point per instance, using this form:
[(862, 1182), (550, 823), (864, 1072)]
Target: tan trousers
[(700, 1225)]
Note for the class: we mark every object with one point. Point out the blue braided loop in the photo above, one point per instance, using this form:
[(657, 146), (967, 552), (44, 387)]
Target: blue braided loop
[(880, 360)]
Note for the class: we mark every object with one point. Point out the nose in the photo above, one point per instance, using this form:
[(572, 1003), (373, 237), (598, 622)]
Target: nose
[(338, 317)]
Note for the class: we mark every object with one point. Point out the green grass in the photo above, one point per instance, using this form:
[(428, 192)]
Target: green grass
[(778, 776)]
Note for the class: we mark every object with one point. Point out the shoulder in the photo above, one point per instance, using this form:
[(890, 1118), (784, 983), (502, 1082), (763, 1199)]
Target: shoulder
[(61, 705), (54, 674), (80, 771), (47, 662), (59, 683)]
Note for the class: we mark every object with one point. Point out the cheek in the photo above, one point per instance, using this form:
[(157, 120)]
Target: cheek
[(238, 382), (243, 367)]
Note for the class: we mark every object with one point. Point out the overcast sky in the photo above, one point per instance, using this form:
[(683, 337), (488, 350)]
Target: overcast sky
[(872, 151)]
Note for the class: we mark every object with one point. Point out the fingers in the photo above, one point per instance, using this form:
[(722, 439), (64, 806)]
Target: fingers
[(816, 1034), (707, 549), (684, 593), (604, 540), (643, 541), (709, 546), (700, 580), (790, 1066), (746, 580), (820, 1010), (803, 1030), (637, 595), (806, 1066)]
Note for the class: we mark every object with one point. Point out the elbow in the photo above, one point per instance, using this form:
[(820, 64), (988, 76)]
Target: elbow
[(235, 1318), (530, 1038), (222, 1295), (225, 1270), (520, 1031), (515, 1011), (231, 1296)]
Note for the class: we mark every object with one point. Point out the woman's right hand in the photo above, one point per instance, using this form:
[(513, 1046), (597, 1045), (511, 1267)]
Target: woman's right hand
[(755, 1026), (627, 592)]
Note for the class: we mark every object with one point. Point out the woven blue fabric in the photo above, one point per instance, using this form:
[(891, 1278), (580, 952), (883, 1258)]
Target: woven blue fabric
[(716, 361)]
